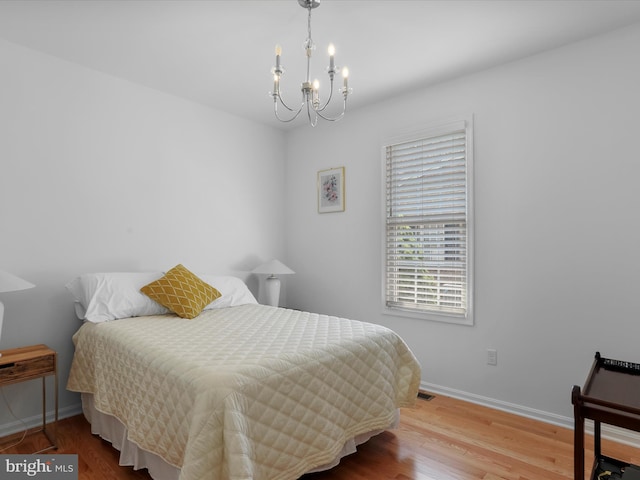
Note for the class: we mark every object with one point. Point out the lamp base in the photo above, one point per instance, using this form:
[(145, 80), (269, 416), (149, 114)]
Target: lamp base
[(272, 291)]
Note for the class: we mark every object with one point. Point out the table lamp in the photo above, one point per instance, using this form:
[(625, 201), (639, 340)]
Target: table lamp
[(10, 283), (272, 283)]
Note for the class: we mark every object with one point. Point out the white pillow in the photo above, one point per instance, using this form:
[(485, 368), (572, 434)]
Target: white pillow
[(234, 291), (108, 296)]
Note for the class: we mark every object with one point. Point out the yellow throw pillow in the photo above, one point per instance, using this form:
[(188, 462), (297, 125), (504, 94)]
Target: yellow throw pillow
[(181, 292)]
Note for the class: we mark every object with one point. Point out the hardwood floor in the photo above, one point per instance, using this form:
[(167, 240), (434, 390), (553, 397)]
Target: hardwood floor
[(440, 439)]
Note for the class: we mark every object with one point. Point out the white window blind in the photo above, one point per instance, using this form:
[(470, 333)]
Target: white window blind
[(427, 215)]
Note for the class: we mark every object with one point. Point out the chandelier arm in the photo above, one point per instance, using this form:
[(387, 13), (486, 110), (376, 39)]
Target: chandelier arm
[(321, 109), (275, 111), (287, 106), (334, 119)]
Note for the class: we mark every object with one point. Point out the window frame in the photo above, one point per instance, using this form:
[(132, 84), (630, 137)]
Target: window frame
[(427, 131)]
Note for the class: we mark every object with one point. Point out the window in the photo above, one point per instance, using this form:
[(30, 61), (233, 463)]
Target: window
[(428, 224)]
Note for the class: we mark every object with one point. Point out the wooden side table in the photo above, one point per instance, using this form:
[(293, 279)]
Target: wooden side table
[(29, 363), (611, 395)]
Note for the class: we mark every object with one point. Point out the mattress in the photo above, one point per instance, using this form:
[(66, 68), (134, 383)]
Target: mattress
[(247, 392)]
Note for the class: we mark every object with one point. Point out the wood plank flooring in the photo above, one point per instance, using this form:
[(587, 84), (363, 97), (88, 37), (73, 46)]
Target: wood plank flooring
[(440, 439)]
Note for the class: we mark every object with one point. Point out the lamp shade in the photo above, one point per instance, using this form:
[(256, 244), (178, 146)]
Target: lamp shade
[(273, 267), (11, 283)]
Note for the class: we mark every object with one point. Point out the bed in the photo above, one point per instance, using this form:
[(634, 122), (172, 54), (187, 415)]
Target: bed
[(240, 391)]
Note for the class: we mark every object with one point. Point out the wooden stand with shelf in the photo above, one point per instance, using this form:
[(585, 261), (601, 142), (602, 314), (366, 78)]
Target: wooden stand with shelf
[(29, 363), (611, 395)]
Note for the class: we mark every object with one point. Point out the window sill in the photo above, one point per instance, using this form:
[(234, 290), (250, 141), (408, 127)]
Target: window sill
[(430, 316)]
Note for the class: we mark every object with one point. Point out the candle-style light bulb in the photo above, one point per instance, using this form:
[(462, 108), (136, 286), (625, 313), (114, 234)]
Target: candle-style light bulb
[(278, 53), (332, 52), (316, 84), (345, 76)]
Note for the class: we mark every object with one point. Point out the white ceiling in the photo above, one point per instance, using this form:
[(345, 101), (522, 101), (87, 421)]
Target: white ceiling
[(220, 52)]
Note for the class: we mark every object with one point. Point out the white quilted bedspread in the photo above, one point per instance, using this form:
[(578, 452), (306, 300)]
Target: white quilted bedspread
[(248, 392)]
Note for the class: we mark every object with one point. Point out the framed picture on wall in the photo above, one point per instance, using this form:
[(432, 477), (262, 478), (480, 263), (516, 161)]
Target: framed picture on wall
[(331, 190)]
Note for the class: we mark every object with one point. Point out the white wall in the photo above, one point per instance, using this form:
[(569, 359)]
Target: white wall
[(557, 258), (98, 174), (101, 174)]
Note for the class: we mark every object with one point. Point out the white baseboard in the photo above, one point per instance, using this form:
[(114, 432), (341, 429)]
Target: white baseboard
[(36, 420), (610, 432)]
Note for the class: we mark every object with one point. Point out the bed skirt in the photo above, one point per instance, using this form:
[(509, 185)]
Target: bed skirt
[(112, 430)]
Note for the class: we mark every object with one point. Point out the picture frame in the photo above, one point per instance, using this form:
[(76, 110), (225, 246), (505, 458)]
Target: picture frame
[(331, 190)]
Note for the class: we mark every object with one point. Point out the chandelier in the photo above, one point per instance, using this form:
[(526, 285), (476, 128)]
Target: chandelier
[(310, 90)]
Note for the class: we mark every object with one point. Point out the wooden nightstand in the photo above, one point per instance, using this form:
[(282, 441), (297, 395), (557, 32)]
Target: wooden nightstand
[(29, 363)]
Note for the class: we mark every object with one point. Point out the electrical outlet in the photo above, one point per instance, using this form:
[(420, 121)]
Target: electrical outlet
[(492, 356)]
